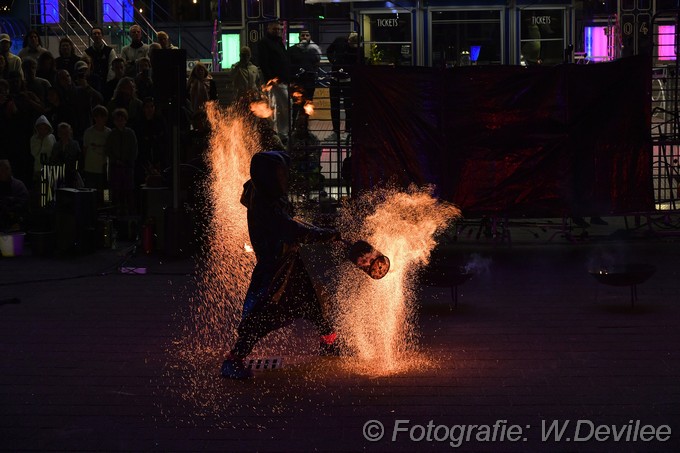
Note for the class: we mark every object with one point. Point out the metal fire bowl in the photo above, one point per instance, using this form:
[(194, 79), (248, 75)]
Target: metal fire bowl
[(446, 276), (625, 275)]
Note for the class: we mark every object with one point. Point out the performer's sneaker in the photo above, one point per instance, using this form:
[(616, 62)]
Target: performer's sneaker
[(328, 345), (234, 368)]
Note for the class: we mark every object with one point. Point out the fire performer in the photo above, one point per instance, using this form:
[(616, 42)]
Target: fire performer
[(280, 290)]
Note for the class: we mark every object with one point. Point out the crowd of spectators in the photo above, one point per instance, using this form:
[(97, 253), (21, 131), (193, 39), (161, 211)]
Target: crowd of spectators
[(93, 114), (97, 116)]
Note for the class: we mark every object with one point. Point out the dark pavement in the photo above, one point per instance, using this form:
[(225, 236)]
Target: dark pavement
[(88, 363)]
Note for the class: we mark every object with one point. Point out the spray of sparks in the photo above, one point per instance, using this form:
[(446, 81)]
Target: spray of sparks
[(208, 325), (376, 317), (225, 265)]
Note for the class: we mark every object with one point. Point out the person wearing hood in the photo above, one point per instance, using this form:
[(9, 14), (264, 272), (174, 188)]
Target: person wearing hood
[(280, 289), (42, 143)]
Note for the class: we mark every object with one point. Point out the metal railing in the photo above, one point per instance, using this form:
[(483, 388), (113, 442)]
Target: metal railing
[(72, 23), (157, 13), (665, 92)]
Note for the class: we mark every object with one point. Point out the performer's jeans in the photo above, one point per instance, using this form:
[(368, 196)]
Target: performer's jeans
[(298, 300)]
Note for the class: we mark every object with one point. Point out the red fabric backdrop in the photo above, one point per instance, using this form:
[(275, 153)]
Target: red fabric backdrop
[(543, 141)]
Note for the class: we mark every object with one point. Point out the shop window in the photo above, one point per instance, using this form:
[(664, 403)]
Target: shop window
[(466, 37), (387, 39), (542, 37)]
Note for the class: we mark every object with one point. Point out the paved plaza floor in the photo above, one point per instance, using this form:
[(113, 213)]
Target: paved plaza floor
[(536, 356)]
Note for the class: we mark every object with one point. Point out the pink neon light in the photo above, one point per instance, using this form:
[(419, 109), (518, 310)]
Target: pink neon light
[(667, 42), (596, 44)]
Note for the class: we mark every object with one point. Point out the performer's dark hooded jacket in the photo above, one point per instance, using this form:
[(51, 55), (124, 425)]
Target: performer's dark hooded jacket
[(273, 232)]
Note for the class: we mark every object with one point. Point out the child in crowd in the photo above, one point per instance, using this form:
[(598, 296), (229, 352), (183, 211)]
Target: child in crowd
[(121, 150), (94, 142), (42, 143), (66, 151)]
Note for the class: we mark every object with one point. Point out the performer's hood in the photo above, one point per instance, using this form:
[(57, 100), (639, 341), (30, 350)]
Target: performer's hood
[(269, 173)]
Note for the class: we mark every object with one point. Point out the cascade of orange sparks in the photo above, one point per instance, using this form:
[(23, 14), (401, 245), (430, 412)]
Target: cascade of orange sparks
[(227, 265), (376, 317)]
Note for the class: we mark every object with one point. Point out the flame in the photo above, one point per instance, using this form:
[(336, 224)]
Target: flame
[(376, 316), (270, 83), (309, 108), (261, 109)]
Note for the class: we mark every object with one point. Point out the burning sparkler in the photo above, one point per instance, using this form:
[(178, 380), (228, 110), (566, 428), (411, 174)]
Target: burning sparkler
[(376, 316)]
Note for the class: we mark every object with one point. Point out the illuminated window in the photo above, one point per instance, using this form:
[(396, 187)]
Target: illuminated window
[(231, 47), (461, 37), (666, 42), (596, 44), (542, 33), (49, 11), (118, 11), (387, 38)]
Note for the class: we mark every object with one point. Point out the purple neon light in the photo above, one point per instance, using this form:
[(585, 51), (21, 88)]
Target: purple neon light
[(667, 42), (118, 11)]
